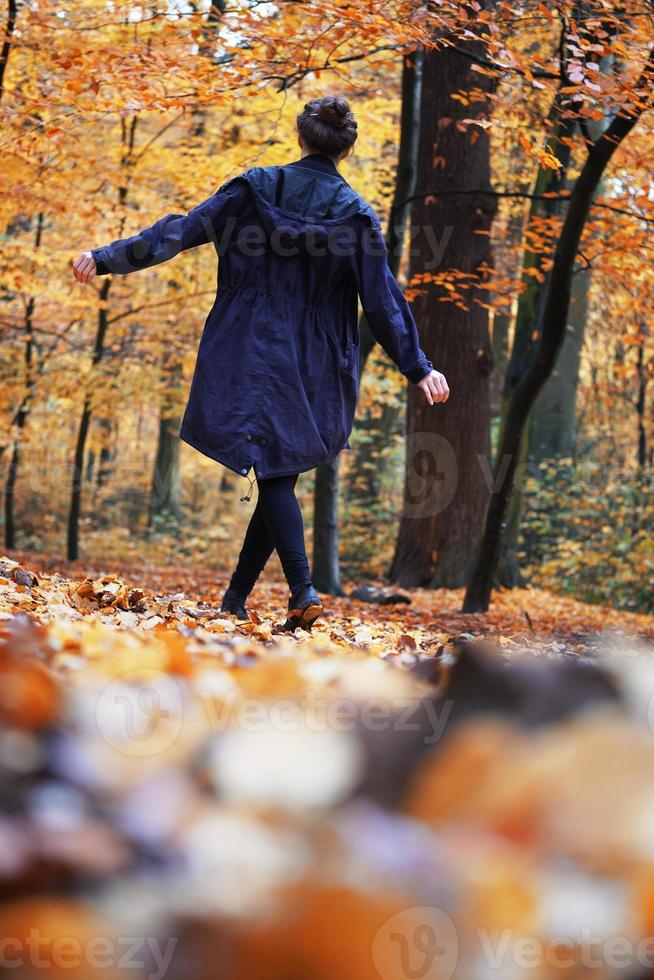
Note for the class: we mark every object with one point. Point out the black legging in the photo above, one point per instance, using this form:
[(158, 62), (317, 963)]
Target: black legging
[(276, 524)]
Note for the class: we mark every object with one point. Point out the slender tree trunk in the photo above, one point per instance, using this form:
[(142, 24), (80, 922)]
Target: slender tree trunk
[(10, 27), (165, 493), (327, 565), (530, 303), (128, 128), (106, 454), (552, 434), (325, 572), (446, 445), (405, 180), (507, 258), (552, 334), (12, 475), (641, 374), (20, 417), (83, 431), (166, 483)]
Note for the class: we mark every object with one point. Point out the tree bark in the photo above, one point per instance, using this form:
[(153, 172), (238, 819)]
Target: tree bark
[(551, 336), (445, 493)]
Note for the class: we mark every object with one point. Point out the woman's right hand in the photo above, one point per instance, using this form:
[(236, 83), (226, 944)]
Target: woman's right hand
[(84, 268), (435, 387)]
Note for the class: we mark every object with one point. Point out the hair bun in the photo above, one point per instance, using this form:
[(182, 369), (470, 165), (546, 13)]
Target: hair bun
[(334, 112), (327, 126)]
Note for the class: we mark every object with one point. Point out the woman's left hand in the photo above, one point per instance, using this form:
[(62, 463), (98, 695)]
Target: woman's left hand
[(84, 267), (435, 387)]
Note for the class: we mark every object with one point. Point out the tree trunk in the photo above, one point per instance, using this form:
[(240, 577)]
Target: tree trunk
[(83, 431), (642, 378), (445, 494), (106, 455), (530, 303), (20, 417), (10, 27), (128, 129), (552, 433), (552, 334), (507, 258), (500, 341), (326, 573), (12, 473), (405, 180), (327, 482), (166, 488)]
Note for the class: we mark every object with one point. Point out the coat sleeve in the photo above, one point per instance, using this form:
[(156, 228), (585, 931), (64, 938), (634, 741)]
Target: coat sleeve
[(385, 307), (172, 234)]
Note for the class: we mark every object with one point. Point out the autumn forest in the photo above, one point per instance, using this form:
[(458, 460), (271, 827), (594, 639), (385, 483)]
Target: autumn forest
[(478, 141), (488, 561)]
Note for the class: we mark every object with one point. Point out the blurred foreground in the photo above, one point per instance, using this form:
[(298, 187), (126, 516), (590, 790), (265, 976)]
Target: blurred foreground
[(391, 796)]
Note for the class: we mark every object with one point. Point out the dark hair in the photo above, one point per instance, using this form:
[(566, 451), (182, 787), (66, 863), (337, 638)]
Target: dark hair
[(327, 126)]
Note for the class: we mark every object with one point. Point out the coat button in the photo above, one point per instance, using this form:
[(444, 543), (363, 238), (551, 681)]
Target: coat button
[(244, 471), (249, 437)]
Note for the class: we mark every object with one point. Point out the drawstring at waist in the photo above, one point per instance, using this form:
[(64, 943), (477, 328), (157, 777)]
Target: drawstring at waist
[(248, 495)]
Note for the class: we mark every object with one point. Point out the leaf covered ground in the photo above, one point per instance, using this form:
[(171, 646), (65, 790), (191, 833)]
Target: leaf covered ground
[(187, 797), (186, 599)]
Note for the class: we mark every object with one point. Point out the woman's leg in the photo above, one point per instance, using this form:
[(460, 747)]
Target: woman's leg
[(277, 506), (257, 548), (283, 517)]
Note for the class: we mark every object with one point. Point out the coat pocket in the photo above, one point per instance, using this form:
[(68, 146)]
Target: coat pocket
[(350, 359)]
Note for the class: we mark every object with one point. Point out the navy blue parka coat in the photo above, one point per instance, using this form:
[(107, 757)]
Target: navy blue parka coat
[(276, 377)]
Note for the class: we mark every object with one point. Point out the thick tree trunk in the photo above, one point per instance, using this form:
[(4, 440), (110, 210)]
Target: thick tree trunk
[(327, 482), (552, 334), (445, 493), (83, 431)]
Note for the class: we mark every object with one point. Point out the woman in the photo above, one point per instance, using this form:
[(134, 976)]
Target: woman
[(276, 376)]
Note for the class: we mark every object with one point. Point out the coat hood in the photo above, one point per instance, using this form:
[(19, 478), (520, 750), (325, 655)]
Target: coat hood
[(305, 200)]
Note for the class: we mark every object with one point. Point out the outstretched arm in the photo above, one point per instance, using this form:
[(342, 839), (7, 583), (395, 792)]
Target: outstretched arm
[(164, 239), (389, 316)]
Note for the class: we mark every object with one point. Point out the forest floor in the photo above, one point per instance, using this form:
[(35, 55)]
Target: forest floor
[(291, 805), (145, 597)]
